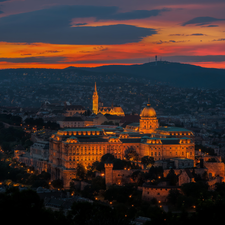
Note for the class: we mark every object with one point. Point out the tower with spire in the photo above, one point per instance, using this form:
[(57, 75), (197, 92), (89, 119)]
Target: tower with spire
[(95, 101)]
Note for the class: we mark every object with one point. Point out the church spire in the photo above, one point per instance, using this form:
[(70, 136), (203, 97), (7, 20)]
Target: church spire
[(95, 101), (95, 87)]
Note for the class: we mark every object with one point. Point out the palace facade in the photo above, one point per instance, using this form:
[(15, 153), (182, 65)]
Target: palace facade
[(85, 145), (71, 146)]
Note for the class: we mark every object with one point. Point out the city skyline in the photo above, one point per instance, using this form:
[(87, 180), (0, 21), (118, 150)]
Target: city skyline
[(59, 34)]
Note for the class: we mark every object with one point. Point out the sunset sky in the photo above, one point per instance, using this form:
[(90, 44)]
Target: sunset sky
[(63, 33)]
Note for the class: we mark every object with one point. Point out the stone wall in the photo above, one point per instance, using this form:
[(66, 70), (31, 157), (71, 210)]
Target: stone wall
[(39, 165), (160, 193), (119, 177), (212, 182), (178, 171), (215, 168)]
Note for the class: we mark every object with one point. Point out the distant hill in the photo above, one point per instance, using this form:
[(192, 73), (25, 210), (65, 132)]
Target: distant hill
[(175, 74)]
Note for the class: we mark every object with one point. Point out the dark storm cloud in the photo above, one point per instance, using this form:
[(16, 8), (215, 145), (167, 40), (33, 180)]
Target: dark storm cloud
[(212, 25), (53, 26), (197, 34), (80, 24), (1, 12), (200, 21), (166, 42), (136, 14), (221, 39), (177, 35), (33, 60), (114, 34)]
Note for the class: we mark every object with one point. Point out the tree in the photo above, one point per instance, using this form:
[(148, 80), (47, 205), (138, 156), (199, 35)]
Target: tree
[(97, 214), (5, 146), (40, 183), (173, 196), (57, 184), (98, 183), (1, 125), (27, 201), (131, 154), (220, 187), (135, 174), (98, 166), (146, 160), (44, 176), (197, 190), (107, 158), (155, 173), (205, 176), (80, 171), (90, 175), (118, 164), (119, 193), (140, 179), (172, 178), (28, 143)]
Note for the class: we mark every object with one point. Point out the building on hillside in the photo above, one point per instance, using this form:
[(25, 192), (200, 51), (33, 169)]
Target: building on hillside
[(60, 108), (113, 110), (37, 157), (71, 122), (185, 177), (85, 145), (159, 193), (39, 150), (73, 109)]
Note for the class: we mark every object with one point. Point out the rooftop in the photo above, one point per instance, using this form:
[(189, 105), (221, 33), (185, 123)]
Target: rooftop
[(82, 129), (173, 129)]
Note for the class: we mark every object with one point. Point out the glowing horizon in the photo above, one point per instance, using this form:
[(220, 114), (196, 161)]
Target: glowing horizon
[(61, 35)]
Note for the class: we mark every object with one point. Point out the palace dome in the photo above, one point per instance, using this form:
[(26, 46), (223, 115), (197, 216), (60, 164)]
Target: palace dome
[(148, 111)]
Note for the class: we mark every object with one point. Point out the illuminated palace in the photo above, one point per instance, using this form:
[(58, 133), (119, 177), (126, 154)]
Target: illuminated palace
[(113, 110), (71, 146)]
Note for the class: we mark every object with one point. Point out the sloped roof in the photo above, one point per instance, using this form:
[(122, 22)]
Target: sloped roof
[(173, 129)]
